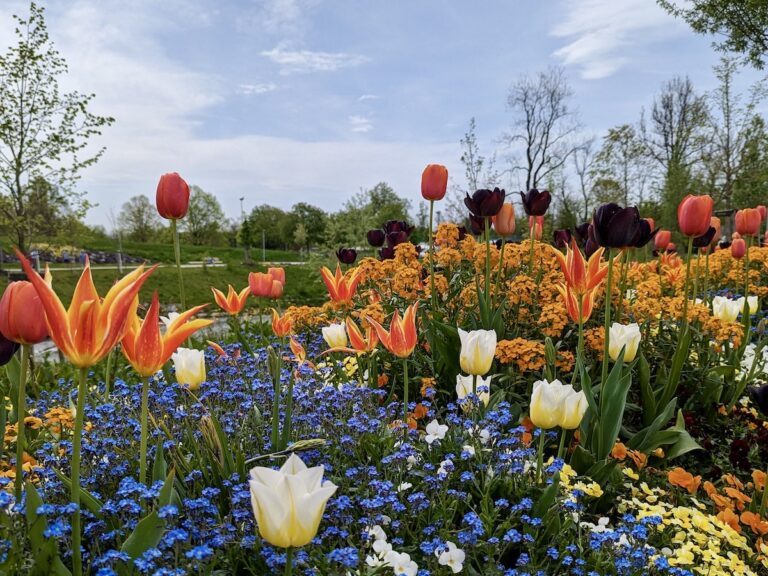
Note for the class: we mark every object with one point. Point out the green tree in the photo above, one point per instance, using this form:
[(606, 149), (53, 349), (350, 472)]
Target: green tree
[(139, 218), (313, 219), (43, 132), (203, 222), (623, 159), (743, 24), (267, 220), (750, 188)]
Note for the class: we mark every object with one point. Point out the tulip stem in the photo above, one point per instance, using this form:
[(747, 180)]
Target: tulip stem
[(607, 325), (501, 264), (695, 287), (144, 430), (21, 410), (540, 456), (533, 242), (706, 278), (77, 561), (432, 259), (487, 264), (177, 252), (622, 285), (687, 280), (108, 374), (561, 446), (405, 394), (288, 561)]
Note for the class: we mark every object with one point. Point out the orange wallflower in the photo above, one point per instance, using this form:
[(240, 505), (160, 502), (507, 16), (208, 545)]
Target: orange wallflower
[(582, 278), (683, 479), (401, 338), (92, 326), (758, 477), (234, 302), (341, 287), (143, 345)]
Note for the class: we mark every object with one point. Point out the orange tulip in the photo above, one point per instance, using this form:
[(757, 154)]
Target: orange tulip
[(738, 248), (748, 221), (359, 342), (651, 223), (662, 240), (90, 328), (401, 338), (582, 278), (172, 198), (281, 326), (218, 349), (277, 274), (536, 224), (22, 318), (260, 284), (694, 214), (763, 212), (434, 182), (143, 345), (298, 351), (234, 302), (277, 289), (341, 288), (504, 221)]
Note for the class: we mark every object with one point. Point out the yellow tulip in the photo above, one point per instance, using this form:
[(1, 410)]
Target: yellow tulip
[(190, 367), (335, 335), (555, 404), (288, 504)]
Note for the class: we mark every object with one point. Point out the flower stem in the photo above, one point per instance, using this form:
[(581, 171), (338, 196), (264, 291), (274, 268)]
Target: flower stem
[(501, 264), (405, 394), (706, 278), (607, 324), (21, 410), (687, 279), (432, 292), (533, 242), (561, 446), (622, 285), (144, 430), (288, 561), (177, 252), (488, 263), (77, 561), (540, 456)]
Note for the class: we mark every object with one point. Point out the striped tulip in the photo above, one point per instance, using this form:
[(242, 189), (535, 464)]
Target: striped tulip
[(281, 326), (341, 288), (582, 279), (146, 349), (87, 331), (234, 302), (401, 337)]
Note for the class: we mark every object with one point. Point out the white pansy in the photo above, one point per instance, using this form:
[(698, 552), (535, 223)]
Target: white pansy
[(453, 557), (435, 431)]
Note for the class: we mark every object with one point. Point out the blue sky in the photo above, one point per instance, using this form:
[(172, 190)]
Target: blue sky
[(283, 101)]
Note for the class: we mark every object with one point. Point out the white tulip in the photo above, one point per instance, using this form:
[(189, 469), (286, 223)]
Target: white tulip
[(726, 309), (751, 301), (288, 504), (555, 404), (477, 350), (623, 336), (574, 406), (464, 387), (189, 365), (335, 335)]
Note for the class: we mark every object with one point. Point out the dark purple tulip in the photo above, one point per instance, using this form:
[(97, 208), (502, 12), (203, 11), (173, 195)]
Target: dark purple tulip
[(705, 239), (462, 233), (395, 238), (759, 395), (499, 242), (476, 225), (346, 255), (582, 232), (562, 238), (485, 203), (394, 226), (387, 253), (644, 234), (7, 350), (536, 203), (591, 245), (376, 238), (614, 226)]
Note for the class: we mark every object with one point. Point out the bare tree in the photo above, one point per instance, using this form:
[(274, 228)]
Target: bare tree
[(545, 125), (623, 159), (583, 162), (138, 217)]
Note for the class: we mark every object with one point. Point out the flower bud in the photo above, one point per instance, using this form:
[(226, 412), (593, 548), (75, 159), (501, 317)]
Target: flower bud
[(504, 221), (623, 336), (477, 351), (189, 365), (748, 221), (434, 182), (22, 318), (694, 215), (172, 198)]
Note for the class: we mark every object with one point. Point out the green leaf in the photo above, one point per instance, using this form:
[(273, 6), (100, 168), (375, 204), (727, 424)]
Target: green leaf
[(647, 398), (645, 440), (93, 504), (547, 498), (613, 399), (149, 530), (45, 556), (678, 360), (159, 467)]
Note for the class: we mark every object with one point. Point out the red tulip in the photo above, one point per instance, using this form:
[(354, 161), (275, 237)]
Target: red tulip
[(536, 224), (694, 214), (277, 274), (748, 221), (172, 196), (662, 240), (434, 182), (22, 317), (763, 212), (738, 248)]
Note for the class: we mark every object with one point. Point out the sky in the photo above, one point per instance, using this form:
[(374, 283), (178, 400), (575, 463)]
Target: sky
[(282, 101)]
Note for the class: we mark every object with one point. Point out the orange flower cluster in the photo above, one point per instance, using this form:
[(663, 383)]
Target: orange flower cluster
[(527, 355)]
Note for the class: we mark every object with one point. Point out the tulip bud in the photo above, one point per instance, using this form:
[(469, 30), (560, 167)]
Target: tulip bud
[(662, 240), (763, 212), (738, 248), (346, 255), (554, 404), (627, 337), (536, 226), (561, 238), (376, 237), (189, 365), (748, 222), (574, 406), (752, 302), (434, 182), (288, 504), (277, 289), (211, 439), (261, 284), (172, 198), (536, 203), (22, 318), (485, 203), (504, 221), (477, 351), (694, 215), (335, 335), (482, 387), (277, 274)]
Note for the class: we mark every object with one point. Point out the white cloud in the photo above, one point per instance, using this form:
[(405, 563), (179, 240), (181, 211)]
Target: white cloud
[(251, 89), (360, 123), (602, 32), (309, 61), (366, 97)]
